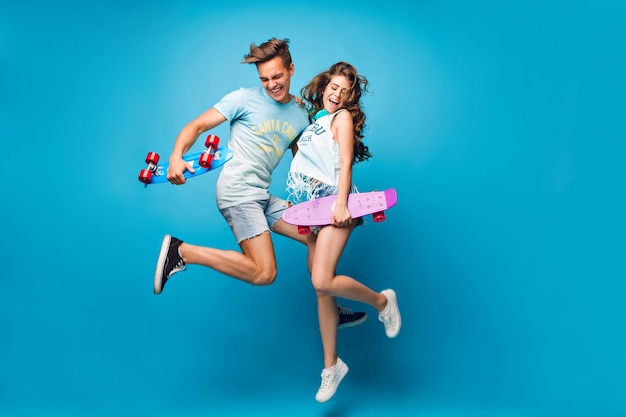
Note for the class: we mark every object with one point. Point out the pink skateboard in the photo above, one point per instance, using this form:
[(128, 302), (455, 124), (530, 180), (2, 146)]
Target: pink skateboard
[(318, 212)]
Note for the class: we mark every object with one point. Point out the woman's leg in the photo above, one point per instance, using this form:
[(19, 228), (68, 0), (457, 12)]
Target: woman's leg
[(329, 246), (327, 251), (328, 316), (324, 254)]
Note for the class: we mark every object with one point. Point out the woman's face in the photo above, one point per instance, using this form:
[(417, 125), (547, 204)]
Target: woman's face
[(334, 95)]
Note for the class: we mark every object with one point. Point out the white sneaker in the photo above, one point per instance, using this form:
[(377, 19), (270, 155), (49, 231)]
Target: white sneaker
[(390, 316), (331, 378)]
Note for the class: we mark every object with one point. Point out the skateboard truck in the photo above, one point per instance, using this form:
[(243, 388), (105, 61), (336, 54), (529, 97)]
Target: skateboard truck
[(206, 158), (145, 175)]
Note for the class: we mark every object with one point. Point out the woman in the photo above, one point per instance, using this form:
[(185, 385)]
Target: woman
[(322, 166)]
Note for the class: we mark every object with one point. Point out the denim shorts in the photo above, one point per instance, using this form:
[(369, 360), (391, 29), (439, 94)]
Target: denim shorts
[(251, 219)]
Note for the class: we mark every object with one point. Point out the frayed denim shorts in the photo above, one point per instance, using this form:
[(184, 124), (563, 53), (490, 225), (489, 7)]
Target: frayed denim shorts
[(251, 219)]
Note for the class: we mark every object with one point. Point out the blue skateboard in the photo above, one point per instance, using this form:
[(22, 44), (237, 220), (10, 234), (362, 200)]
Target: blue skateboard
[(202, 162)]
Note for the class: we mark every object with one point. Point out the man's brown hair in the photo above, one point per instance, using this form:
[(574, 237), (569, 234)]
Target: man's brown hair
[(269, 50)]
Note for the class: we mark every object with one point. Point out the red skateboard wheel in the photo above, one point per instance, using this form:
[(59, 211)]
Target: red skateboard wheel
[(205, 160), (152, 158), (212, 141), (207, 157), (145, 176)]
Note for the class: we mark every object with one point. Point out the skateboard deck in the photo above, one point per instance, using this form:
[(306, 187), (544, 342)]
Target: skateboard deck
[(318, 212), (202, 162)]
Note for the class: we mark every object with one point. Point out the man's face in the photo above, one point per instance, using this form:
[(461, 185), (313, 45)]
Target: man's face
[(276, 78)]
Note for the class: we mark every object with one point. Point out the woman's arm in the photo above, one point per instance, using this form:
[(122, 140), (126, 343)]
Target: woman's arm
[(343, 131)]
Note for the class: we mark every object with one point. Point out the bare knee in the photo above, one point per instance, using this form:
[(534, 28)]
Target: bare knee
[(321, 284), (264, 277)]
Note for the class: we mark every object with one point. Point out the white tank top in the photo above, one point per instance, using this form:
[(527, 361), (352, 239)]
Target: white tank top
[(315, 168), (318, 152)]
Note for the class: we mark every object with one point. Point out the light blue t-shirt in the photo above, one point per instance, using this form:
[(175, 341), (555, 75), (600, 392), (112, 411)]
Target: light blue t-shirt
[(261, 130)]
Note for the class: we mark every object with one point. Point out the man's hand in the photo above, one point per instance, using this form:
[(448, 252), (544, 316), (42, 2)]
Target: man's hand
[(176, 170)]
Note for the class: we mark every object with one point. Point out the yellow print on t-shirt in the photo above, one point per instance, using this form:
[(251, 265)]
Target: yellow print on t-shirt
[(278, 128), (274, 148), (274, 125)]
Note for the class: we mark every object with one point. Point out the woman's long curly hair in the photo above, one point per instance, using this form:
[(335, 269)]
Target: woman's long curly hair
[(312, 94)]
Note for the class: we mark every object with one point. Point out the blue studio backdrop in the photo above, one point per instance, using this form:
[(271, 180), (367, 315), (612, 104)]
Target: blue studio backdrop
[(500, 124)]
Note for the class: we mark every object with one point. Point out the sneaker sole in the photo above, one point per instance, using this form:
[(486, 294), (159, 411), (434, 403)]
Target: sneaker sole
[(158, 275), (352, 323)]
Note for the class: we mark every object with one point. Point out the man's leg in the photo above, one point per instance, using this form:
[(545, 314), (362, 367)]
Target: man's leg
[(289, 230), (256, 265)]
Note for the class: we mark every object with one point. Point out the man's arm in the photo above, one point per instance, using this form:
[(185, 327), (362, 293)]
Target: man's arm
[(185, 140)]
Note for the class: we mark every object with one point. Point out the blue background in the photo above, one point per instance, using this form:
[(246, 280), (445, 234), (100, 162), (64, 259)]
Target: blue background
[(501, 125)]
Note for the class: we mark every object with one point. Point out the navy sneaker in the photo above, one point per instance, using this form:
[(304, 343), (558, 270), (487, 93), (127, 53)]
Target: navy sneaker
[(169, 263), (348, 318)]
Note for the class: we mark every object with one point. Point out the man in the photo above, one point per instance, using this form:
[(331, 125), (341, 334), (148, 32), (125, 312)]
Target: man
[(264, 122)]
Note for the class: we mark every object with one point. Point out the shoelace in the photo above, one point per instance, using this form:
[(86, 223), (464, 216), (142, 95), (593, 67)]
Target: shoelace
[(327, 378), (386, 318), (178, 267), (345, 311)]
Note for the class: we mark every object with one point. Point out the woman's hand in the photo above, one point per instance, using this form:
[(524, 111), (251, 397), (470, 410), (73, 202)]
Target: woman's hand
[(341, 215)]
